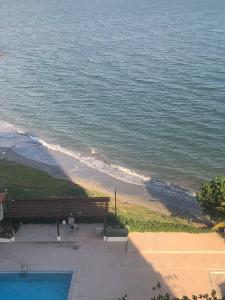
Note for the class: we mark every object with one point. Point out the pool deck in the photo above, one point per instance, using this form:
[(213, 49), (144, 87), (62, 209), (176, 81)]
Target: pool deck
[(184, 263)]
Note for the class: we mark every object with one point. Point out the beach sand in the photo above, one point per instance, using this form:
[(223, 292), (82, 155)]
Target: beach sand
[(170, 201)]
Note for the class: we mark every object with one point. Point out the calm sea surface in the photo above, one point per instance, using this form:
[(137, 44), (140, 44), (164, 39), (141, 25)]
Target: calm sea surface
[(121, 84)]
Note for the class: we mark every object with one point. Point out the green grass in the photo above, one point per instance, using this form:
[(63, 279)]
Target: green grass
[(25, 182), (141, 219)]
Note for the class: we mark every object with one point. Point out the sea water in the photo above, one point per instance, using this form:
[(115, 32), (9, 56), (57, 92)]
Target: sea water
[(132, 88)]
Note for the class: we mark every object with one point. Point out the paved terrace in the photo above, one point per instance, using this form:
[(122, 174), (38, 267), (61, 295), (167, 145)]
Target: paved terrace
[(183, 263)]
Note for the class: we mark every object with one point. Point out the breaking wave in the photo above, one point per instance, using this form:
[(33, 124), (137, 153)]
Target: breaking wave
[(157, 188), (113, 170)]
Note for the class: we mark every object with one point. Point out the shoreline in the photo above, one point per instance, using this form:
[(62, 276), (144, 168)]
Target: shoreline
[(150, 195), (90, 184)]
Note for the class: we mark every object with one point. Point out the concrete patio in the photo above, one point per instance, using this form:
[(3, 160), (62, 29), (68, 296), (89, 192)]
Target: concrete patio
[(184, 263)]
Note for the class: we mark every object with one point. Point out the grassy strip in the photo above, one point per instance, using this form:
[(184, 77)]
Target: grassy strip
[(141, 219), (156, 226), (25, 182)]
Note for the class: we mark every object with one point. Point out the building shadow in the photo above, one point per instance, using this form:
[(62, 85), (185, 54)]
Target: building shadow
[(28, 150), (103, 270), (134, 275), (127, 271), (141, 280), (33, 154), (222, 289)]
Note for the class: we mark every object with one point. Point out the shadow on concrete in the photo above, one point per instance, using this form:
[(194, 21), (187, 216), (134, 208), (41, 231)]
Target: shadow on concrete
[(222, 289), (99, 264), (104, 270), (140, 279)]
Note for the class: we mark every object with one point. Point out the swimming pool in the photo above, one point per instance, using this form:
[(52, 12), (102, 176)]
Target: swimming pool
[(35, 285)]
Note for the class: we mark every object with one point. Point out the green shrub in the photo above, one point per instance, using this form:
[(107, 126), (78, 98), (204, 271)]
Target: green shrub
[(212, 198), (167, 296)]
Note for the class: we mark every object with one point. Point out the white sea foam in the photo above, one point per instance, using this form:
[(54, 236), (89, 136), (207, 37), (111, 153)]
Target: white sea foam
[(153, 185), (113, 170), (116, 171), (93, 151), (5, 126)]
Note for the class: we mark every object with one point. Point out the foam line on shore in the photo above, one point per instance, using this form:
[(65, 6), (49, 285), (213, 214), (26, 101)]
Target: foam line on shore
[(116, 171), (113, 170), (158, 189)]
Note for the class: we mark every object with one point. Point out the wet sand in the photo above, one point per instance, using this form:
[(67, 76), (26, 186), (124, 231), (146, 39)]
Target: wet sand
[(151, 195), (92, 180)]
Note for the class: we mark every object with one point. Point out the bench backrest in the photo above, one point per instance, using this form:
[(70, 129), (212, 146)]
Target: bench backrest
[(57, 208)]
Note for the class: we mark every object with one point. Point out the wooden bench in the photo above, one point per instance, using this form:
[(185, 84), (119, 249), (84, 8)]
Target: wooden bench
[(57, 208)]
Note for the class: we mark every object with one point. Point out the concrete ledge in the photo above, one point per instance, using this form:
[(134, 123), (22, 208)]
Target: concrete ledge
[(115, 238)]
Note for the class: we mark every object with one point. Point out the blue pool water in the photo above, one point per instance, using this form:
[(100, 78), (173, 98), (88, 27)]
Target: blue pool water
[(35, 286)]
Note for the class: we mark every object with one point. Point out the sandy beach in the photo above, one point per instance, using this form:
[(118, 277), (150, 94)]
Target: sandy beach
[(168, 202)]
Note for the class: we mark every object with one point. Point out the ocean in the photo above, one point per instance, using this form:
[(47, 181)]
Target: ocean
[(134, 89)]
